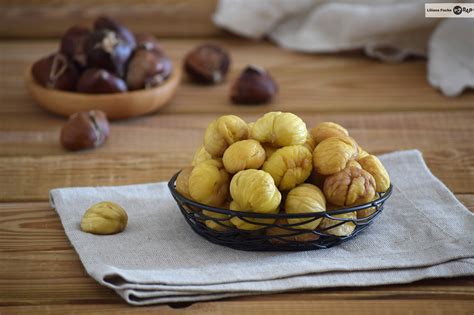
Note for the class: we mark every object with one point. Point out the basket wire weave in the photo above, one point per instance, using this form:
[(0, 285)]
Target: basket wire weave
[(284, 236)]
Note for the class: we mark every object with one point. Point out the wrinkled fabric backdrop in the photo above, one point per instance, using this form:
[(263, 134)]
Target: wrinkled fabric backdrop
[(390, 30)]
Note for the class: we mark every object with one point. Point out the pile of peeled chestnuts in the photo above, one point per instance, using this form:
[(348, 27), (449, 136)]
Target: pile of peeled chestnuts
[(106, 59), (209, 64), (276, 164)]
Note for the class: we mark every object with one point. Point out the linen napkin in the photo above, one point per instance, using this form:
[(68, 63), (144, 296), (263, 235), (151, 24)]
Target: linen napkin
[(424, 232), (390, 30)]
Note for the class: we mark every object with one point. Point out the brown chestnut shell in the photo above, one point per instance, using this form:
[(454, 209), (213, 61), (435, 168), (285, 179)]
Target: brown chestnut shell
[(73, 42), (100, 81), (107, 23), (207, 64), (85, 130), (56, 71), (253, 86), (148, 42), (106, 49), (147, 69)]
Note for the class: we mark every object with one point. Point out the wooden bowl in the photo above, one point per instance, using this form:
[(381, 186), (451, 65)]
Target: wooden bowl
[(116, 106)]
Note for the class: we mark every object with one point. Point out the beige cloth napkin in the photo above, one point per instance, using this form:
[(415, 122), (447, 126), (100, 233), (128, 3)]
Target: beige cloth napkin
[(390, 30), (424, 232)]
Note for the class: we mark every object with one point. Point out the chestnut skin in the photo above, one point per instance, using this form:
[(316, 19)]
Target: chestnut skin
[(253, 86), (106, 49), (147, 69), (72, 44), (85, 130), (56, 71), (148, 42), (207, 64), (107, 23), (100, 81)]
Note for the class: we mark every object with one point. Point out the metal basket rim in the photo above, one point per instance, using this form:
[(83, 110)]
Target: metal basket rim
[(374, 203)]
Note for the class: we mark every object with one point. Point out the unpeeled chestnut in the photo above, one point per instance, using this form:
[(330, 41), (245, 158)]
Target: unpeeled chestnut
[(147, 69), (85, 130), (100, 81), (106, 23), (148, 42), (56, 71), (207, 64), (253, 86), (72, 44), (108, 50)]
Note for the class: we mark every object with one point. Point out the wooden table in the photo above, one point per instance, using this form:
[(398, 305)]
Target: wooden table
[(386, 107)]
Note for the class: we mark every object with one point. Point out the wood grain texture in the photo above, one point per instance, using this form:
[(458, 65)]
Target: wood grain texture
[(467, 200), (50, 18), (39, 267), (153, 148), (309, 83), (286, 304)]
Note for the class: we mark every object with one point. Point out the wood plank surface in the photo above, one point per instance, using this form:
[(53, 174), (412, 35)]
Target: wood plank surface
[(39, 267), (49, 18), (309, 83), (467, 200), (286, 304), (148, 150)]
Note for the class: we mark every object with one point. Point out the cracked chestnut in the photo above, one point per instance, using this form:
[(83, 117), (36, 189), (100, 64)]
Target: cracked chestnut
[(56, 71)]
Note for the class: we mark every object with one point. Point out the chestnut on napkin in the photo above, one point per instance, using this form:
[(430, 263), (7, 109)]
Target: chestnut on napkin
[(424, 232)]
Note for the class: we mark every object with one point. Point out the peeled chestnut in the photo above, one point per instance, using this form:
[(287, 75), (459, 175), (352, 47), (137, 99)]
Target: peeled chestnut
[(147, 69), (99, 81), (148, 42), (56, 72), (253, 86), (106, 23), (72, 44), (108, 50), (85, 130), (207, 64)]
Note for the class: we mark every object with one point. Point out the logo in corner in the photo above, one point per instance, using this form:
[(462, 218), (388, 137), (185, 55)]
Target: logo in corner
[(457, 10)]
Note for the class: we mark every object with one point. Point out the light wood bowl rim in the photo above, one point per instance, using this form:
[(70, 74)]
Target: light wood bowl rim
[(103, 102)]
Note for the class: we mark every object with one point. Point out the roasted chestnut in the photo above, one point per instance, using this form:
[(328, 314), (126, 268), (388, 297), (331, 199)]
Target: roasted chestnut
[(56, 72), (106, 23), (106, 49), (207, 64), (253, 86), (100, 81), (72, 44), (147, 69)]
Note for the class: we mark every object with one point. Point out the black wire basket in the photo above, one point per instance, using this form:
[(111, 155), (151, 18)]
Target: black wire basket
[(275, 233)]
